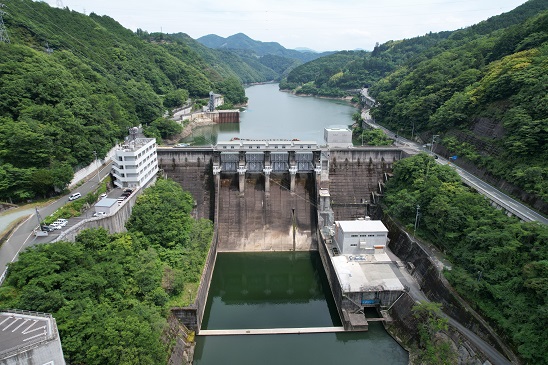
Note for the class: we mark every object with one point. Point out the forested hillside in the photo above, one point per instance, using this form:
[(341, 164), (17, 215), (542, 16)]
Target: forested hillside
[(242, 42), (72, 84), (485, 94), (335, 74), (482, 89), (499, 264), (110, 294)]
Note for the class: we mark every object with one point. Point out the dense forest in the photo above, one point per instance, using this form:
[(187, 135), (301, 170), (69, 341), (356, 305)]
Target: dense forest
[(69, 93), (486, 95), (110, 294), (499, 264), (482, 89)]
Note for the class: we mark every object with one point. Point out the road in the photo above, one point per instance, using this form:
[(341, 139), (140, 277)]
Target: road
[(416, 293), (23, 236), (509, 204)]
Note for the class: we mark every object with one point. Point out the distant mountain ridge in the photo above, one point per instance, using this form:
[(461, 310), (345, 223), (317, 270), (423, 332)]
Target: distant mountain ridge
[(241, 42)]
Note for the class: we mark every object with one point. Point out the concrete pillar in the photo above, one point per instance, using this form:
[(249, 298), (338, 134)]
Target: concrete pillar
[(217, 174), (292, 172), (267, 170), (241, 172)]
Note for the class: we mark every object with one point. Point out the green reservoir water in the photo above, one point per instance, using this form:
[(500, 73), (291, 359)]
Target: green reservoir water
[(274, 114), (282, 289)]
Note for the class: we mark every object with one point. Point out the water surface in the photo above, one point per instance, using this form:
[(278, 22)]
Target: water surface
[(274, 114)]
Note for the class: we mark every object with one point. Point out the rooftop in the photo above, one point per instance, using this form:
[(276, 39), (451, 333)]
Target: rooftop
[(24, 329), (133, 145), (106, 202), (362, 225)]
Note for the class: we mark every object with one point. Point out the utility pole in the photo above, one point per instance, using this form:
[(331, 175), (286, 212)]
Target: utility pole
[(39, 217), (95, 160), (4, 38), (433, 140), (416, 220)]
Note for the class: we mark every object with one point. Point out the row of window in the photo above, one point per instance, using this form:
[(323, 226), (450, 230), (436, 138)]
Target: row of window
[(367, 235)]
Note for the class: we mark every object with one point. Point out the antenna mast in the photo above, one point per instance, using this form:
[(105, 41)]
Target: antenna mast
[(4, 38)]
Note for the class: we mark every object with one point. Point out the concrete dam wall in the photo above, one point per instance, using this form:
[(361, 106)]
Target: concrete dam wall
[(272, 218), (259, 221), (354, 175), (191, 169)]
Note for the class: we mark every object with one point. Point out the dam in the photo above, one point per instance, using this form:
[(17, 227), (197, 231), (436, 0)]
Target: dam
[(265, 270), (267, 201)]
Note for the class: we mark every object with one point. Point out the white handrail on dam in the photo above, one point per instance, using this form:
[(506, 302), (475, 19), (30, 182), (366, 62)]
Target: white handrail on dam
[(270, 331)]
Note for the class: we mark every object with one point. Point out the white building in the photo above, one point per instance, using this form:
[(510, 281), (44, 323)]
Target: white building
[(338, 137), (135, 163), (360, 237)]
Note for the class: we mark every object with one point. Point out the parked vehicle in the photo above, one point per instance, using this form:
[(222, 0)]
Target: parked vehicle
[(99, 214), (56, 226), (75, 196), (47, 228), (61, 222), (104, 195)]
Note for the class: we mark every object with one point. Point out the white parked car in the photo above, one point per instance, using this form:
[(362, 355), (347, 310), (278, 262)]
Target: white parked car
[(61, 222), (75, 196), (56, 225), (99, 214)]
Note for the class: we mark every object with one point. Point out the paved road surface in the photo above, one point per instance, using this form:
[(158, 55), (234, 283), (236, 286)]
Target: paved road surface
[(23, 236)]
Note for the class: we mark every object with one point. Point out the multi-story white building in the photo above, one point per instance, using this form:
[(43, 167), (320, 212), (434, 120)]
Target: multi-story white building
[(135, 163), (362, 236)]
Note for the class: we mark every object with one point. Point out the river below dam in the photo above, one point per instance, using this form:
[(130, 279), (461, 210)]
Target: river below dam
[(283, 290)]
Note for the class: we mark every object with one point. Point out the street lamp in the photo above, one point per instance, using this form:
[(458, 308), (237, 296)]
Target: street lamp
[(95, 160), (416, 220), (433, 140)]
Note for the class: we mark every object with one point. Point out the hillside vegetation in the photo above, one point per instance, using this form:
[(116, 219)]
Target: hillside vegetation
[(71, 85), (486, 95), (110, 294), (499, 264), (482, 89)]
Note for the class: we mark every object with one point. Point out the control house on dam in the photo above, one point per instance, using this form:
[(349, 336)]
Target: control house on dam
[(283, 195)]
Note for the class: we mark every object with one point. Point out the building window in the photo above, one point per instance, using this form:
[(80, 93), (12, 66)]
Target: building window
[(353, 235), (353, 245), (371, 235)]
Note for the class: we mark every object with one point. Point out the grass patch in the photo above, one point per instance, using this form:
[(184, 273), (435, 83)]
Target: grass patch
[(187, 296)]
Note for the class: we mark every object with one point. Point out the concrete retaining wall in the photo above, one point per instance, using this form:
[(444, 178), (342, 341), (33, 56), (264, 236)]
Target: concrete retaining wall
[(114, 223), (435, 286)]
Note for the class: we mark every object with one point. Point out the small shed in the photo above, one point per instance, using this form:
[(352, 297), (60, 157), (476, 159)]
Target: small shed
[(106, 205)]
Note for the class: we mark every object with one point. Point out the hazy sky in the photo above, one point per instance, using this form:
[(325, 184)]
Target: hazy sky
[(318, 24)]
